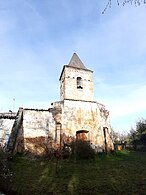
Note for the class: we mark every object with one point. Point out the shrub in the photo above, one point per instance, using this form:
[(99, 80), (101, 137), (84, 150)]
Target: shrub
[(82, 150)]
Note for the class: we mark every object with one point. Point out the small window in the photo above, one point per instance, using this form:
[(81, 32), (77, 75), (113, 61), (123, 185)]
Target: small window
[(79, 83)]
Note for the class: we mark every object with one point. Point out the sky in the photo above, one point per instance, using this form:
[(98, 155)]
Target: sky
[(38, 37)]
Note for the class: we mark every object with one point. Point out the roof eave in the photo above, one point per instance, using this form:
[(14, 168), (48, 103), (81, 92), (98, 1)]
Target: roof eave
[(74, 68)]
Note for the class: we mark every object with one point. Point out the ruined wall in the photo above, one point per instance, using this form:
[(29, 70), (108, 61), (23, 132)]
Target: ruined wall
[(14, 138), (6, 125), (68, 84), (105, 126), (59, 125), (38, 128)]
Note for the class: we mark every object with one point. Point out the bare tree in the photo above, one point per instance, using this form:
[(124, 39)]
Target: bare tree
[(123, 3)]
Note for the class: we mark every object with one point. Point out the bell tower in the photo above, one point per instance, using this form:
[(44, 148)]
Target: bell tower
[(76, 81)]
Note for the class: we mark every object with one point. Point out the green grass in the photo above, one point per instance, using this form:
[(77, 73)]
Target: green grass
[(120, 173)]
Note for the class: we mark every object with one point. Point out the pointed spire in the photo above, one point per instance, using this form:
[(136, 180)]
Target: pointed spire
[(76, 62)]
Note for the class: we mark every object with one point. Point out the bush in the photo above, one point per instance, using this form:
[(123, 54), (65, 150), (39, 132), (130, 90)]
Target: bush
[(137, 136), (82, 150)]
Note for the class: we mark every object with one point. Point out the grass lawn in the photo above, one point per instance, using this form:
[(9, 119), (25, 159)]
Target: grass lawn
[(120, 173)]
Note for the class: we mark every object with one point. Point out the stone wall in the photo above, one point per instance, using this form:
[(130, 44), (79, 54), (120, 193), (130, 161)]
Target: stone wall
[(38, 128), (6, 125), (59, 125), (81, 115), (68, 84)]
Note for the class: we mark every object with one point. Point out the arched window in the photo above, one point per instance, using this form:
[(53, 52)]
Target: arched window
[(79, 83)]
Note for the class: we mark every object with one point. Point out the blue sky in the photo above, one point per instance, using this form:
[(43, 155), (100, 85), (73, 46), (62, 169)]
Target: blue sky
[(38, 37)]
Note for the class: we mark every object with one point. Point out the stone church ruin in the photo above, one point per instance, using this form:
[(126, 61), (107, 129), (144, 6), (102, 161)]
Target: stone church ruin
[(76, 116)]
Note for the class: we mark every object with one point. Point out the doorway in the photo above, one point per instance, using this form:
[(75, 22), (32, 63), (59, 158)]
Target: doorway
[(105, 129), (82, 135)]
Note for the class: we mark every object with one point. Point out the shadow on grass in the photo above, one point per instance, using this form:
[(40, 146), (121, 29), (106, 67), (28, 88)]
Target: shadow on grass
[(116, 173), (122, 172)]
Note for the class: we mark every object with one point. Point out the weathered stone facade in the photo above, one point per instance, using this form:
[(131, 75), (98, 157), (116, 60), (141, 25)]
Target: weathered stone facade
[(76, 115), (68, 84)]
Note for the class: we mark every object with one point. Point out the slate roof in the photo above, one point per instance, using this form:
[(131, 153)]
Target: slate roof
[(76, 62)]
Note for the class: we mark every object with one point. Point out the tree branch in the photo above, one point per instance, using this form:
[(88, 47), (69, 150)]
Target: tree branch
[(123, 2)]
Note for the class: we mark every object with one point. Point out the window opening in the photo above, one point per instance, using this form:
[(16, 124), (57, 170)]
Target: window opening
[(79, 83)]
